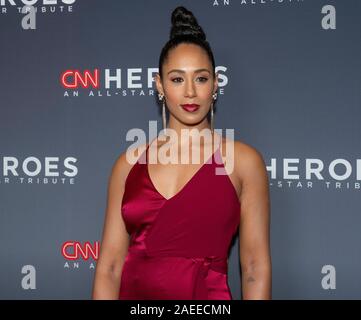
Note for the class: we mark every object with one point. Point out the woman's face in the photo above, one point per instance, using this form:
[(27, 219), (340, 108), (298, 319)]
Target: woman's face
[(184, 83)]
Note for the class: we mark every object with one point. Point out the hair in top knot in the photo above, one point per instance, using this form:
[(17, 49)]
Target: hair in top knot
[(185, 23), (185, 29)]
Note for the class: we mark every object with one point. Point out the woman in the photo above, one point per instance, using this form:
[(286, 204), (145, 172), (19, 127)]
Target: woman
[(168, 227)]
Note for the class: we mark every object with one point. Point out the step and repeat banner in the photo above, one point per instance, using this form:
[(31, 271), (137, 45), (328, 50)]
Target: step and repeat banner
[(77, 75)]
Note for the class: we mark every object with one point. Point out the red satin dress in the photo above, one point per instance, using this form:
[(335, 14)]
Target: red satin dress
[(179, 246)]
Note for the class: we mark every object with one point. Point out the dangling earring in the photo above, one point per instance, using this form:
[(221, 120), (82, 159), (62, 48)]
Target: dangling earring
[(212, 117), (161, 97)]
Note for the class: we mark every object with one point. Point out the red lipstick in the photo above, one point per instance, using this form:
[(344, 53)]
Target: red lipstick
[(190, 107)]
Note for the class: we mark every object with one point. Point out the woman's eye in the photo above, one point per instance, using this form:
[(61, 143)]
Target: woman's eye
[(203, 79)]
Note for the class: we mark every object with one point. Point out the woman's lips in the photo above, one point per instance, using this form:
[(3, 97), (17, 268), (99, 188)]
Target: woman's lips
[(190, 107)]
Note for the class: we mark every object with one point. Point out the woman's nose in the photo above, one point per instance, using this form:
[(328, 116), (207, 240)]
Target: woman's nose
[(190, 89)]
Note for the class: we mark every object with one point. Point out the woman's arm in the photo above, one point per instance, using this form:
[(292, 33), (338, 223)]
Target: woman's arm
[(254, 233), (115, 239)]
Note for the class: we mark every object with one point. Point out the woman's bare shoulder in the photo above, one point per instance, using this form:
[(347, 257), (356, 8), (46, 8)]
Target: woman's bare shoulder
[(246, 156), (246, 150), (126, 160), (240, 147)]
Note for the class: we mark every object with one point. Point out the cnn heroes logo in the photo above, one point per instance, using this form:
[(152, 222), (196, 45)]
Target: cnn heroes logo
[(78, 253), (39, 6), (118, 82), (301, 173), (33, 170)]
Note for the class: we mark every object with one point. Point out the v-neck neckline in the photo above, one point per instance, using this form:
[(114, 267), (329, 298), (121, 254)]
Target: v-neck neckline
[(183, 188)]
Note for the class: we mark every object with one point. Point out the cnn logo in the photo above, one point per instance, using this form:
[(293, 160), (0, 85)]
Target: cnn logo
[(71, 79), (74, 250)]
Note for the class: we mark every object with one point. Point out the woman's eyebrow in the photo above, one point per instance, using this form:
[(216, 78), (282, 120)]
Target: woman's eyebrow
[(182, 71)]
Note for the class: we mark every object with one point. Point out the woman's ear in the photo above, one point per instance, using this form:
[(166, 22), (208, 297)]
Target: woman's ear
[(158, 83)]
